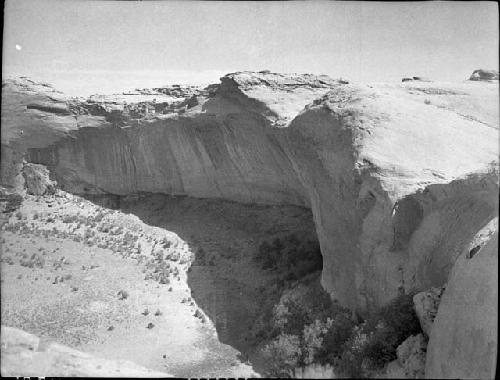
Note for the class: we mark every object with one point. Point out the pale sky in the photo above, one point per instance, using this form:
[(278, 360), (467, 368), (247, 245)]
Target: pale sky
[(98, 46)]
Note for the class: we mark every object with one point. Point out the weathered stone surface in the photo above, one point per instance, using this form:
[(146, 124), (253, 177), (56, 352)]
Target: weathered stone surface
[(24, 354), (463, 341), (37, 181), (411, 356), (410, 362), (426, 306), (396, 175), (484, 75)]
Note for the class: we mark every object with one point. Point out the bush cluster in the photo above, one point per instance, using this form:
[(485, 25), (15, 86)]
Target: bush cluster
[(304, 335), (12, 201), (291, 256)]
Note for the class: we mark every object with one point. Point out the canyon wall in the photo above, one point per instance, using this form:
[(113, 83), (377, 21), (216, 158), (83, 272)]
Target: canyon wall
[(399, 177), (463, 339)]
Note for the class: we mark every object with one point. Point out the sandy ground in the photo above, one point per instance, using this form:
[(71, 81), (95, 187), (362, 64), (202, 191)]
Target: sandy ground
[(85, 310), (227, 284)]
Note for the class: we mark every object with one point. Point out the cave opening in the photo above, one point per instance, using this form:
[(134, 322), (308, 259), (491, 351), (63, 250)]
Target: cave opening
[(255, 273), (248, 259)]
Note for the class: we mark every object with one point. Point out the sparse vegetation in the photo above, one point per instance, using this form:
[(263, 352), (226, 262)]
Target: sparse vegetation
[(122, 294), (291, 256), (283, 355), (35, 261), (12, 201), (303, 335)]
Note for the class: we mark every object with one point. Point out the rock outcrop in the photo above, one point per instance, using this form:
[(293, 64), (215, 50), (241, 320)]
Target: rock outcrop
[(481, 74), (37, 181), (25, 354), (398, 177), (411, 356), (463, 341), (426, 307), (410, 362)]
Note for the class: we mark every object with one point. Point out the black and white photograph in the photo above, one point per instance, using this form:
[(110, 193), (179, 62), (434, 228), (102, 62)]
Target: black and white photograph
[(249, 189)]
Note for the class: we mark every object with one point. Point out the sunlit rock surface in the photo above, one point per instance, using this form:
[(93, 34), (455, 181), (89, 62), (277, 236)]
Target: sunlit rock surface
[(25, 354), (399, 177), (463, 342)]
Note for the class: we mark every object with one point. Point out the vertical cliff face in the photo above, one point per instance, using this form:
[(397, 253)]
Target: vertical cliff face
[(398, 178), (378, 171), (463, 339), (202, 157)]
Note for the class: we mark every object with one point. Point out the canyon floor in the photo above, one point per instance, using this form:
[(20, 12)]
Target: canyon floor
[(57, 281)]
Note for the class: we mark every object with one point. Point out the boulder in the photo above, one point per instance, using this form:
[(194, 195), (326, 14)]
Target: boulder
[(411, 356), (426, 307), (25, 354), (410, 362), (481, 74), (37, 181)]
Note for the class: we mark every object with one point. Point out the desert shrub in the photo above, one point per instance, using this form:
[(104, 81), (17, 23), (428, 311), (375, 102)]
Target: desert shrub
[(266, 255), (313, 336), (373, 343), (399, 315), (263, 328), (99, 217), (290, 317), (338, 332), (282, 355), (122, 294), (12, 201), (290, 255), (349, 365), (69, 218), (35, 261), (201, 256)]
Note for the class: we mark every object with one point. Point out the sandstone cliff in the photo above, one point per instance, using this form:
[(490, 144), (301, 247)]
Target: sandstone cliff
[(399, 177), (463, 339)]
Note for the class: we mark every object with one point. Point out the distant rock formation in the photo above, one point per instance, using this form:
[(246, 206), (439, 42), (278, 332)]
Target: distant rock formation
[(421, 79), (481, 74), (24, 354)]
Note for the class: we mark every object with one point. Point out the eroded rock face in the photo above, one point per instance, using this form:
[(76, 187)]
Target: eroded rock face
[(37, 181), (24, 354), (398, 177), (463, 340), (426, 307)]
